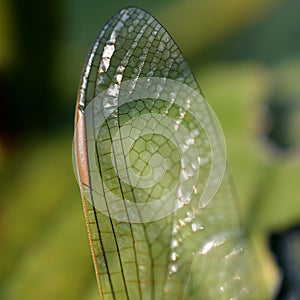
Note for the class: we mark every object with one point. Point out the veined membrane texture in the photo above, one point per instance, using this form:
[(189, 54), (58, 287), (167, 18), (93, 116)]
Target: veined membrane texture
[(150, 162)]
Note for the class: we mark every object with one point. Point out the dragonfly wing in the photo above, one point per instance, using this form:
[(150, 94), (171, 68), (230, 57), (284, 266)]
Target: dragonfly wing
[(150, 162)]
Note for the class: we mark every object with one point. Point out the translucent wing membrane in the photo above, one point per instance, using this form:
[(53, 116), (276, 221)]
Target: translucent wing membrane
[(150, 162)]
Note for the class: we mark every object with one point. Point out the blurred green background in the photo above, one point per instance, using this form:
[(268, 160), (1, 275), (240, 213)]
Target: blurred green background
[(246, 57)]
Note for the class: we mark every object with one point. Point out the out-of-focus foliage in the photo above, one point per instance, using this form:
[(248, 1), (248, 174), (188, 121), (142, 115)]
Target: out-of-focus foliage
[(226, 18), (286, 246), (246, 58), (6, 35)]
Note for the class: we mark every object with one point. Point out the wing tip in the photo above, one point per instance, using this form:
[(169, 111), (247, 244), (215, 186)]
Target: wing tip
[(132, 8)]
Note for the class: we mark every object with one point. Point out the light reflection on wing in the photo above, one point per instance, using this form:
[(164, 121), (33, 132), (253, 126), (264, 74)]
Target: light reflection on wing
[(130, 152)]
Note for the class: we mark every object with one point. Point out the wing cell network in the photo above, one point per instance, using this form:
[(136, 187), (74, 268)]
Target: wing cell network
[(158, 199)]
